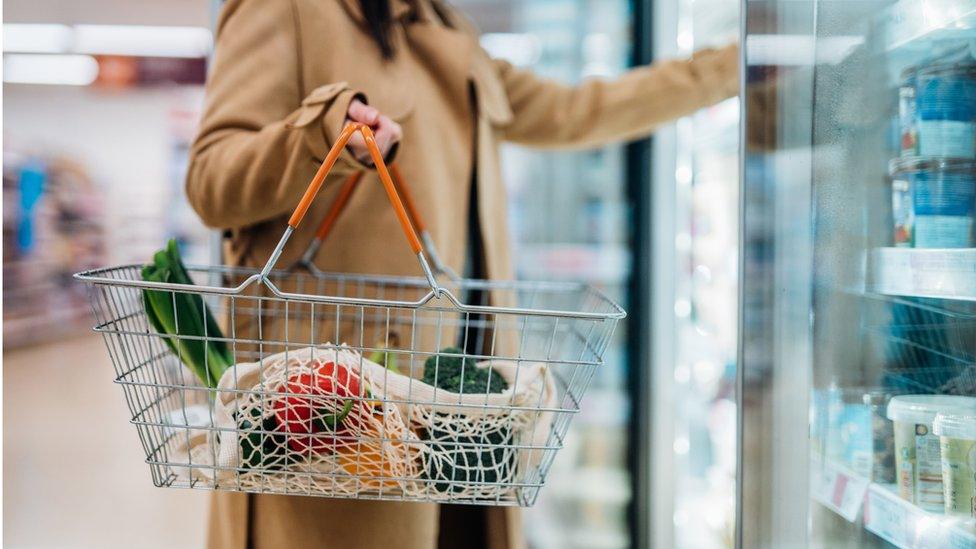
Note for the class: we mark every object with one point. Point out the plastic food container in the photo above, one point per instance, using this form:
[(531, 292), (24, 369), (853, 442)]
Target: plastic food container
[(945, 97), (957, 437), (934, 202), (918, 458), (882, 438)]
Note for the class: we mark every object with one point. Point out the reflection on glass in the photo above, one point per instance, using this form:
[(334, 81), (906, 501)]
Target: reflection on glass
[(706, 274)]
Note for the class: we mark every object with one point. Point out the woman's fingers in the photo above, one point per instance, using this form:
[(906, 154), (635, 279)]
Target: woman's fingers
[(362, 113), (386, 132), (357, 146)]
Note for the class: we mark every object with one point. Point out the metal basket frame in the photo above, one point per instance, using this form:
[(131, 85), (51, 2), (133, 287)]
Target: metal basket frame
[(561, 328)]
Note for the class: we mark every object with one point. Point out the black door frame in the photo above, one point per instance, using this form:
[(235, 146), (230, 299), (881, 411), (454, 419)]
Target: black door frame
[(639, 160)]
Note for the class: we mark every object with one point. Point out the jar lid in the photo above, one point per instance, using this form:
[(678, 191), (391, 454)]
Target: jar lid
[(955, 425), (913, 164), (923, 408), (877, 397), (963, 68)]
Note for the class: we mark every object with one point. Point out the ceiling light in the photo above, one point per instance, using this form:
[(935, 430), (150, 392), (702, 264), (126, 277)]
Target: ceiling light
[(142, 41), (127, 40), (67, 70), (36, 38)]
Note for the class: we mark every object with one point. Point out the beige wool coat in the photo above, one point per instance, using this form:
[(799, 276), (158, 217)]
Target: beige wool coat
[(283, 76)]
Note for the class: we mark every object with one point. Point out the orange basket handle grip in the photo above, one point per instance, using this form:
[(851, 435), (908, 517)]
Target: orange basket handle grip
[(407, 197), (377, 156)]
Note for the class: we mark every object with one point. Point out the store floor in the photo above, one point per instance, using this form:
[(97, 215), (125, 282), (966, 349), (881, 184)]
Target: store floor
[(73, 470)]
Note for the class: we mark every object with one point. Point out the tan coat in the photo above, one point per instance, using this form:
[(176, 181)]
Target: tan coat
[(284, 74)]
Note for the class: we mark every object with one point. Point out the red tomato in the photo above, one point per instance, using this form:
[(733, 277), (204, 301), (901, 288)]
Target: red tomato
[(326, 387)]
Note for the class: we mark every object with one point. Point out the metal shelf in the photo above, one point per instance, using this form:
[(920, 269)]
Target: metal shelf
[(916, 272), (908, 22), (880, 511), (906, 526)]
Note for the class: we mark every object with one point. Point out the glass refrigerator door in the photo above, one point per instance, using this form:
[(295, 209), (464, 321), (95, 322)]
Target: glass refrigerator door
[(693, 297), (858, 305), (568, 215)]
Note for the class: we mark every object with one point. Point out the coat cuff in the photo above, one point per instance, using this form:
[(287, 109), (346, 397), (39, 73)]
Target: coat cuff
[(321, 118)]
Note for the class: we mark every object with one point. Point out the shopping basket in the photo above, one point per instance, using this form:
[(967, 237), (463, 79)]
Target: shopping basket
[(427, 388)]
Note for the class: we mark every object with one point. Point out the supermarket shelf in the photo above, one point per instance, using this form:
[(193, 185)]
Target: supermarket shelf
[(883, 513), (593, 485), (915, 272), (600, 264), (911, 21), (908, 527)]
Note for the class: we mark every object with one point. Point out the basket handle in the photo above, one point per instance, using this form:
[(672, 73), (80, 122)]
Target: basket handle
[(403, 190), (330, 218), (391, 192)]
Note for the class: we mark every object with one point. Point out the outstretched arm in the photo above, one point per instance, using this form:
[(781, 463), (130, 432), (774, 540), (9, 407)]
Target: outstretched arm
[(596, 112)]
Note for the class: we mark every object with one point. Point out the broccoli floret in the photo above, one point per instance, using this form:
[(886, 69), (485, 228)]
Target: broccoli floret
[(452, 461), (445, 372)]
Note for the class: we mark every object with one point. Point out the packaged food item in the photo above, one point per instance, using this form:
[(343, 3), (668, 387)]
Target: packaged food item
[(882, 437), (908, 113), (946, 103), (943, 197), (848, 439), (918, 458), (957, 437)]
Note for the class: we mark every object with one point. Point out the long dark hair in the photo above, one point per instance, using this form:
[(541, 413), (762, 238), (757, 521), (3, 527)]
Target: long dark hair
[(377, 14)]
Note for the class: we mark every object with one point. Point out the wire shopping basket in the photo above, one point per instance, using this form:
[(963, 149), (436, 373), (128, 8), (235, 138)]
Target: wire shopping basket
[(431, 388)]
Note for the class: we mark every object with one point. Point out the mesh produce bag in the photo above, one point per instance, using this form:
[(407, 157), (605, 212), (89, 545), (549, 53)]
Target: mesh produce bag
[(477, 445), (326, 421)]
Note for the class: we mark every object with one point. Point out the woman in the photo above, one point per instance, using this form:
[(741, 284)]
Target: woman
[(288, 75)]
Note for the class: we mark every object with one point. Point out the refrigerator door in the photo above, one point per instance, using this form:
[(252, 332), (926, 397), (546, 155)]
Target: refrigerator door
[(694, 185), (568, 217), (858, 274)]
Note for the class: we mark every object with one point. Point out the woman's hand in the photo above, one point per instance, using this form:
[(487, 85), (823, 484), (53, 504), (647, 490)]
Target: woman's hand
[(387, 132)]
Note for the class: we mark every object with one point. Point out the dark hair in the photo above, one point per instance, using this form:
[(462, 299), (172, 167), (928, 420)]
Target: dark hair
[(377, 15)]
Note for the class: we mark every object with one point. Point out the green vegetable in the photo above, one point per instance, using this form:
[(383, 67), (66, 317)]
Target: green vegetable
[(331, 423), (470, 459), (460, 375), (454, 460), (382, 356), (177, 315), (262, 449)]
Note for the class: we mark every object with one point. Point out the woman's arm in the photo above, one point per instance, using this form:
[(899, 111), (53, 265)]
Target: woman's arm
[(261, 136), (549, 114)]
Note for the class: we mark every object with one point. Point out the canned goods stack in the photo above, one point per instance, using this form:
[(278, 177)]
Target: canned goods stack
[(934, 180)]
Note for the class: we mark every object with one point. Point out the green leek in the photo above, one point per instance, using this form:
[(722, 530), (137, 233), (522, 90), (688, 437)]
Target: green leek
[(177, 316)]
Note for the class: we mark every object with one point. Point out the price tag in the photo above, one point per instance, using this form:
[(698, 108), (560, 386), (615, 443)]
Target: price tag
[(838, 490)]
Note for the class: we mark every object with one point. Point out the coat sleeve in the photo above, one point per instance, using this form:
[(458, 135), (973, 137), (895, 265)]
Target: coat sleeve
[(596, 112), (260, 141)]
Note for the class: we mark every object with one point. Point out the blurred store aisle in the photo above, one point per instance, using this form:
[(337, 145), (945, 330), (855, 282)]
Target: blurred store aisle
[(72, 466)]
